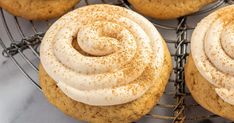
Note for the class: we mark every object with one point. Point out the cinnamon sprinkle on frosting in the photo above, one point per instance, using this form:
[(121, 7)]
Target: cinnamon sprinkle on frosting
[(212, 48), (102, 54)]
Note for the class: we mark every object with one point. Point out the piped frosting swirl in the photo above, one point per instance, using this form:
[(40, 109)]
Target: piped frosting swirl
[(123, 54), (212, 48)]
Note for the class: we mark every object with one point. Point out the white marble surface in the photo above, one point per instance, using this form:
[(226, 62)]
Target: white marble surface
[(22, 102)]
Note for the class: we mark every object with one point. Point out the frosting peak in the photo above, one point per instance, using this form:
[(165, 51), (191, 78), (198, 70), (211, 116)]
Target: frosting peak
[(212, 48), (119, 55)]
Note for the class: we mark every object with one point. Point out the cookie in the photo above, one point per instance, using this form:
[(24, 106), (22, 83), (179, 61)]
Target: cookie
[(38, 9), (168, 9), (123, 113), (204, 92)]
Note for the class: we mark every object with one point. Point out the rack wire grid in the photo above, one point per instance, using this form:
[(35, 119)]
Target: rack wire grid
[(175, 105)]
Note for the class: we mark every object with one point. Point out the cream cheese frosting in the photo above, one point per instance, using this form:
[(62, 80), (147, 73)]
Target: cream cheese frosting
[(123, 54), (212, 48)]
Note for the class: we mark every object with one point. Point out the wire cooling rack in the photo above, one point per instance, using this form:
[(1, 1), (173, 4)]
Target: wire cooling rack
[(173, 106)]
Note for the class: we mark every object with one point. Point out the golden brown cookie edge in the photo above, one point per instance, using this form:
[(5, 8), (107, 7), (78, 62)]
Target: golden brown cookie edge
[(164, 13), (203, 92), (34, 14)]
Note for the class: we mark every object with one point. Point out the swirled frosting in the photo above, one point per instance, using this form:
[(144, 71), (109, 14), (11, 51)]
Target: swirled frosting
[(212, 48), (120, 56)]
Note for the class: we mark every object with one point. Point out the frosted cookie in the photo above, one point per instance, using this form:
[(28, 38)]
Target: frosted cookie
[(209, 72), (103, 63)]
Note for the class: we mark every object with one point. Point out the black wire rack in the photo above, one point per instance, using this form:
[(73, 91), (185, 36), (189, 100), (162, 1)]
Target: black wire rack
[(177, 109)]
